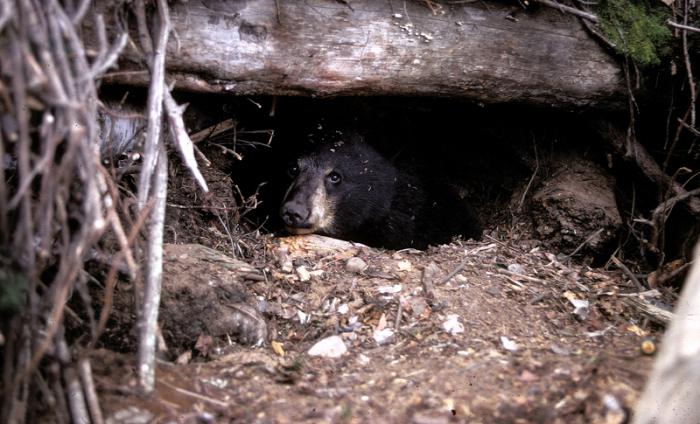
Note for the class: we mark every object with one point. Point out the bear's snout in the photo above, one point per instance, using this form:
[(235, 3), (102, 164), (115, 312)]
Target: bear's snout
[(294, 214)]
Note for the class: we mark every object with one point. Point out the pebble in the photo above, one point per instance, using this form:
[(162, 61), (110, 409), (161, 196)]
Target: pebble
[(356, 265), (383, 336), (516, 268), (330, 347), (508, 344), (452, 325)]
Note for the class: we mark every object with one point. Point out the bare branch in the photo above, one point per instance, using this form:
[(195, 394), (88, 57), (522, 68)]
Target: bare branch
[(181, 139), (155, 105), (148, 320), (681, 26), (568, 9)]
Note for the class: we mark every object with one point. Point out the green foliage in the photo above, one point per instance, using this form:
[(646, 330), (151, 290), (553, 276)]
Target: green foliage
[(637, 28)]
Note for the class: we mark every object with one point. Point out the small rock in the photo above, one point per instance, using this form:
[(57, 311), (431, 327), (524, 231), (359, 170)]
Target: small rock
[(130, 415), (508, 344), (356, 265), (330, 347), (452, 325), (615, 413), (303, 274), (285, 261), (389, 289), (383, 336), (404, 265), (363, 359), (493, 291), (516, 269), (559, 350), (580, 308), (528, 376), (343, 309), (317, 273), (303, 317)]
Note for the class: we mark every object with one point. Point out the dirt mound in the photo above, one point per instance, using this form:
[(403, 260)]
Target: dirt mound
[(477, 332)]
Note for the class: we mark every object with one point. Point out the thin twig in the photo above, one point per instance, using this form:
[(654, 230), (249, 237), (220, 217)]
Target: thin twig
[(688, 67), (585, 242), (627, 272), (532, 178), (681, 26), (181, 139), (568, 9)]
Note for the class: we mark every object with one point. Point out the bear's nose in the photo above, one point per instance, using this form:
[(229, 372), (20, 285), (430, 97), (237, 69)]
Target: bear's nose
[(294, 214)]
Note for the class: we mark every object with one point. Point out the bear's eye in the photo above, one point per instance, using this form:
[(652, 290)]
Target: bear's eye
[(334, 177), (293, 170)]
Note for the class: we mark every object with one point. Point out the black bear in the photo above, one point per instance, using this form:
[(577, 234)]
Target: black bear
[(347, 190)]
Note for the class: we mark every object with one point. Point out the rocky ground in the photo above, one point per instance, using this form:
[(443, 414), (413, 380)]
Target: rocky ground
[(494, 331)]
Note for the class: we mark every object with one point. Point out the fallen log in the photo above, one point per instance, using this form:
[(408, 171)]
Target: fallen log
[(484, 52)]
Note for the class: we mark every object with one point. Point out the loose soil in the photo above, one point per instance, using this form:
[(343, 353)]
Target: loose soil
[(518, 352), (507, 329)]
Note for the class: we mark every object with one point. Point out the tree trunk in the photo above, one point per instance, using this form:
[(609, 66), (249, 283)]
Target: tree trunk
[(672, 395), (484, 52)]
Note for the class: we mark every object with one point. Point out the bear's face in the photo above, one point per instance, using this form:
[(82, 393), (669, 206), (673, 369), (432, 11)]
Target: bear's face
[(338, 190)]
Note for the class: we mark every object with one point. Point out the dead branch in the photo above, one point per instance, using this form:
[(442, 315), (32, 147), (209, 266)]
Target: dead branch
[(688, 67), (155, 100), (568, 9), (148, 319), (681, 26), (627, 272), (631, 150), (654, 313), (181, 139), (93, 403)]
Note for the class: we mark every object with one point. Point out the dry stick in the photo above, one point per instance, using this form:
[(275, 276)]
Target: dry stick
[(76, 400), (195, 395), (454, 272), (213, 130), (111, 279), (155, 106), (93, 403), (568, 9), (628, 272), (688, 67), (80, 12), (155, 155), (148, 323), (3, 195), (107, 56), (532, 178), (668, 204), (648, 165), (399, 312), (689, 128), (585, 242), (681, 26), (181, 139)]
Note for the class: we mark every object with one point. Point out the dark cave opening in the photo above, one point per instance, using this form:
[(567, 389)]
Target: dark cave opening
[(495, 157)]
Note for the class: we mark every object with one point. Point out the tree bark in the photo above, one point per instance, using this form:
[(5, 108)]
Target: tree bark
[(487, 52), (672, 395)]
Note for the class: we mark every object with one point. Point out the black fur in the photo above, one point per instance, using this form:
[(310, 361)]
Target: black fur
[(372, 201)]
